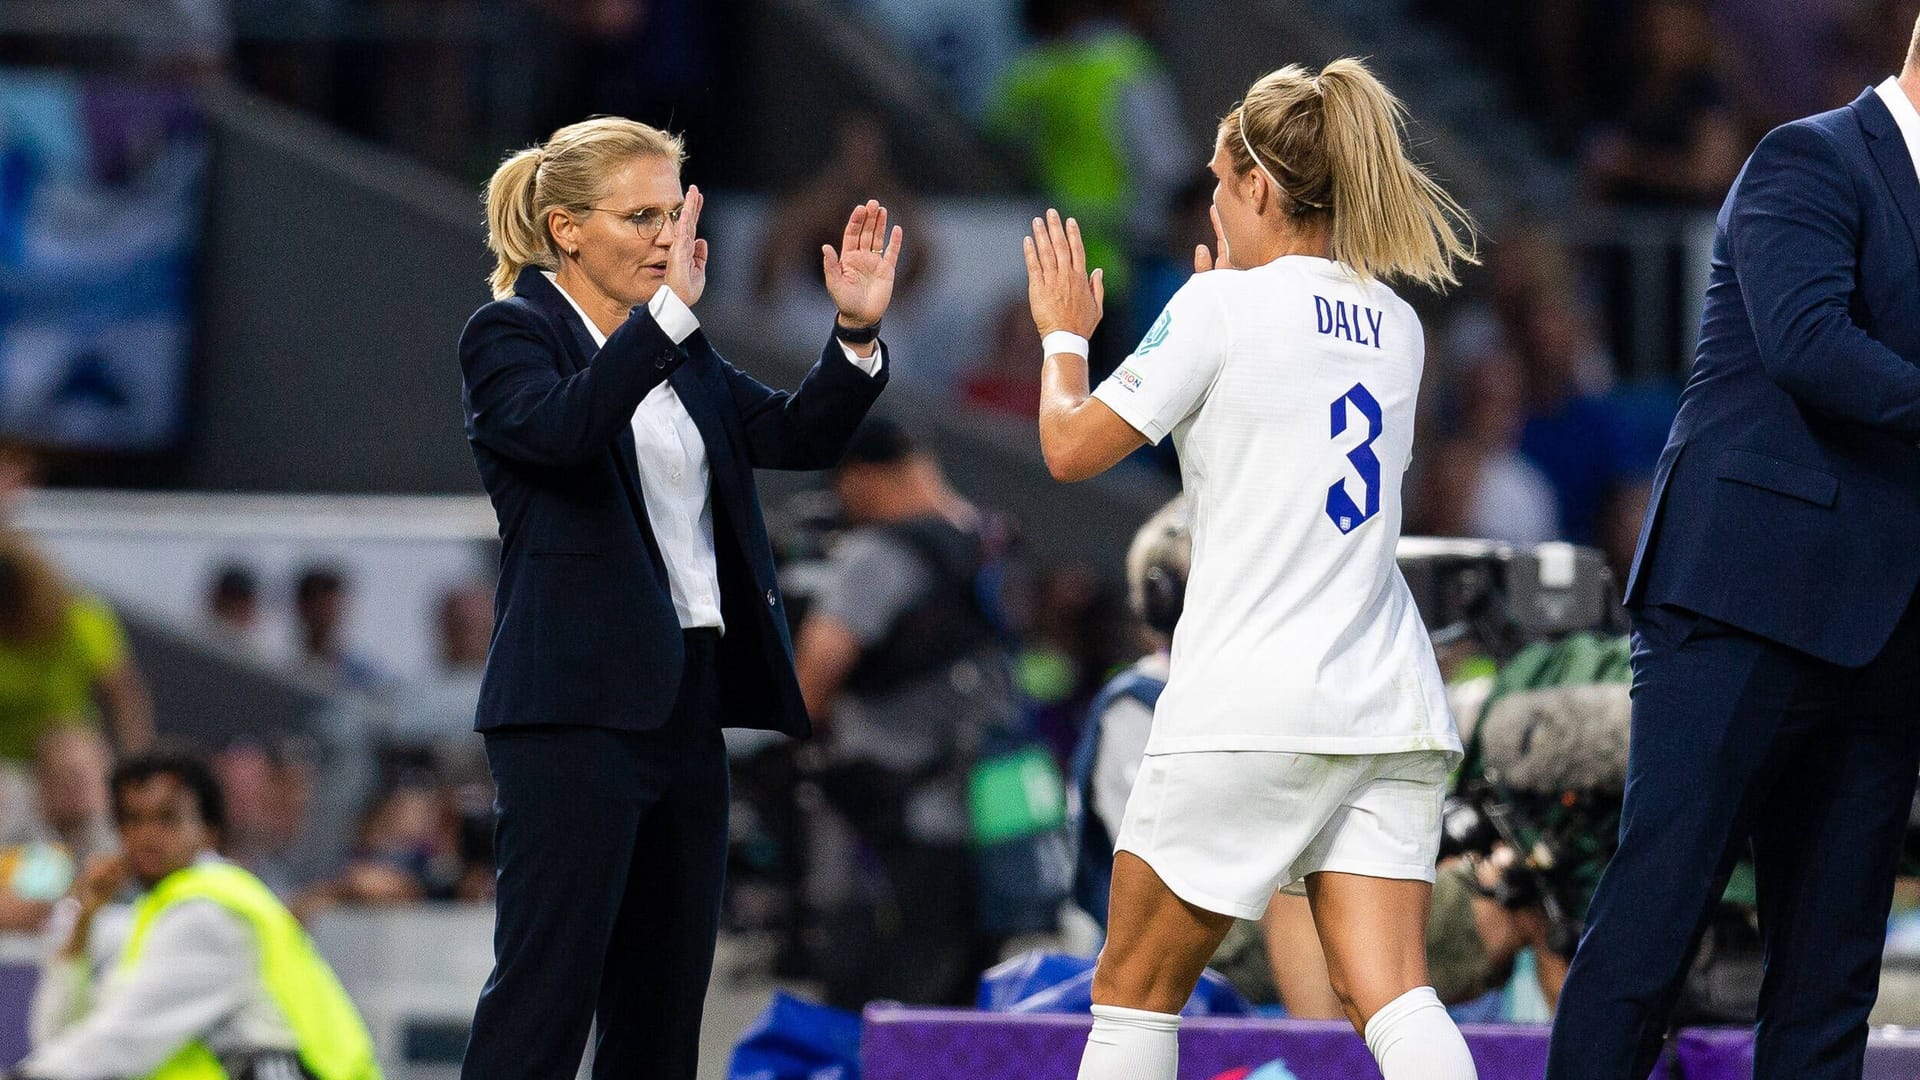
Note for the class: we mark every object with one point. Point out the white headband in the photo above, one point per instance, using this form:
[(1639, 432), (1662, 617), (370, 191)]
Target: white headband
[(1255, 155)]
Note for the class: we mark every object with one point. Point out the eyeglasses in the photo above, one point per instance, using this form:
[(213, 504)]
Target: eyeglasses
[(647, 222)]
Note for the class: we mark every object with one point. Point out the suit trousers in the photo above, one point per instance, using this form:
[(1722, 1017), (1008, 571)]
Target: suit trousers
[(1738, 740), (611, 847)]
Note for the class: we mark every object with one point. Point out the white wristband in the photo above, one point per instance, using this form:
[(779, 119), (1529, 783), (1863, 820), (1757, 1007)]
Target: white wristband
[(1064, 341)]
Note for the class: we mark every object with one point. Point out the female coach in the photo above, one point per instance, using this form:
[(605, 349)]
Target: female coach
[(1303, 737), (637, 611)]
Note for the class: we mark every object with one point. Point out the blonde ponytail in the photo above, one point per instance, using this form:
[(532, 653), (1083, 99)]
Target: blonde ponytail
[(1390, 218), (571, 171), (514, 235), (1334, 144)]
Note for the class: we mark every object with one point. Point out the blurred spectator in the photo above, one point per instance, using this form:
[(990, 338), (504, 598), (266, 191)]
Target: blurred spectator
[(320, 605), (652, 60), (441, 705), (19, 473), (1677, 138), (1478, 483), (427, 835), (967, 43), (903, 667), (1168, 265), (1528, 270), (1006, 379), (269, 788), (410, 849), (1075, 632), (1533, 312), (233, 609), (63, 656), (1096, 112), (1570, 434), (801, 221), (53, 823)]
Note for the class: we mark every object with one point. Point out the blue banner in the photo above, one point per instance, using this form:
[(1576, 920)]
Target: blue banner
[(101, 184)]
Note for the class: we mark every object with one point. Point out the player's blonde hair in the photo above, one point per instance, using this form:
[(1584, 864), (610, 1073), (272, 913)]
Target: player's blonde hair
[(1334, 144), (570, 171)]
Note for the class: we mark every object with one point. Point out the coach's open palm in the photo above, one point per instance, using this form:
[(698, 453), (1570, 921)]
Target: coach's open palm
[(1061, 293), (860, 274), (686, 252)]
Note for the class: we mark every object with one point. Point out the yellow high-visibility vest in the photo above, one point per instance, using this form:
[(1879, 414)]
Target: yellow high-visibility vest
[(333, 1040)]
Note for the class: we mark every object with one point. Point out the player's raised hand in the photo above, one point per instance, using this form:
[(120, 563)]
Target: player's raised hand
[(860, 275), (1061, 293), (1204, 260)]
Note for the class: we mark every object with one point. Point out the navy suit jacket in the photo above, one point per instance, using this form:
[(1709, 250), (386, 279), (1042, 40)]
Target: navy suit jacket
[(1787, 501), (584, 625)]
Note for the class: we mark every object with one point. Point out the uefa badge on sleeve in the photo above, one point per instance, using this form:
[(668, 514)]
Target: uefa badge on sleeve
[(1157, 333)]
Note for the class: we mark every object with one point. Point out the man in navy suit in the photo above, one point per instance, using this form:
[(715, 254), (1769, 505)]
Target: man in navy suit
[(1776, 646)]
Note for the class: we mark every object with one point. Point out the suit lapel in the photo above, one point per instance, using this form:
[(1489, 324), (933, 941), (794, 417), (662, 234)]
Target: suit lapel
[(533, 286), (1890, 153), (580, 351)]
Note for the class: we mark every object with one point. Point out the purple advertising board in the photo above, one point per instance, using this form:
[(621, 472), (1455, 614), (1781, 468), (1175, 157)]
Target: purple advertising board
[(901, 1043)]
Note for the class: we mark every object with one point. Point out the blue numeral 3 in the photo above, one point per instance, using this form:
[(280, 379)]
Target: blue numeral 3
[(1346, 515)]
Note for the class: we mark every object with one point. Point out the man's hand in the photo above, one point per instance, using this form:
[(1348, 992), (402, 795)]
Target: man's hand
[(687, 256), (99, 882), (860, 275), (1061, 293)]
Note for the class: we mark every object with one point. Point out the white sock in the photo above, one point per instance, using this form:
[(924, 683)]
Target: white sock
[(1413, 1038), (1131, 1044)]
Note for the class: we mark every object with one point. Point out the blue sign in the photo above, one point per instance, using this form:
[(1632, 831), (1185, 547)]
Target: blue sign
[(101, 182)]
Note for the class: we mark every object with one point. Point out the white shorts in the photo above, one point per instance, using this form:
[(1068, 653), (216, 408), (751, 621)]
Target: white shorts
[(1227, 829)]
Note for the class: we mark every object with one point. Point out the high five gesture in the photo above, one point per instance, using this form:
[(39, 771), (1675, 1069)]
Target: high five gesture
[(1061, 293), (860, 275)]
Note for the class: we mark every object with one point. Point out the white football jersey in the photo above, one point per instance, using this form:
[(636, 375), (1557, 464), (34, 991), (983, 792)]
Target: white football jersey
[(1290, 392)]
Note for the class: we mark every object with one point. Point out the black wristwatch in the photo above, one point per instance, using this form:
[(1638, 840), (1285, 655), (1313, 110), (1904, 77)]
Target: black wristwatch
[(856, 335)]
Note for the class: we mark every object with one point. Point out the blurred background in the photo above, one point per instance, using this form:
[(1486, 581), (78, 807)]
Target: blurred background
[(239, 238)]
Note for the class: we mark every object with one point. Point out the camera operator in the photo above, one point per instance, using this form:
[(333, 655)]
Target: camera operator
[(1532, 827), (905, 672)]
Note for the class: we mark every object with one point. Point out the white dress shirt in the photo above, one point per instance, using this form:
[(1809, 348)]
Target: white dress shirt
[(674, 478), (1904, 115)]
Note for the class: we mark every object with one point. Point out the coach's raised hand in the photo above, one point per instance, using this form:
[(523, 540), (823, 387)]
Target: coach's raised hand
[(687, 254), (860, 275), (1061, 293)]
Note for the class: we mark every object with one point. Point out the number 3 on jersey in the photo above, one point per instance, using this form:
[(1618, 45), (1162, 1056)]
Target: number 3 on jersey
[(1346, 514)]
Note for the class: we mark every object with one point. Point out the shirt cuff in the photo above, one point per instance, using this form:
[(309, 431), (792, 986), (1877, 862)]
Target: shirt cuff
[(672, 315), (869, 364)]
